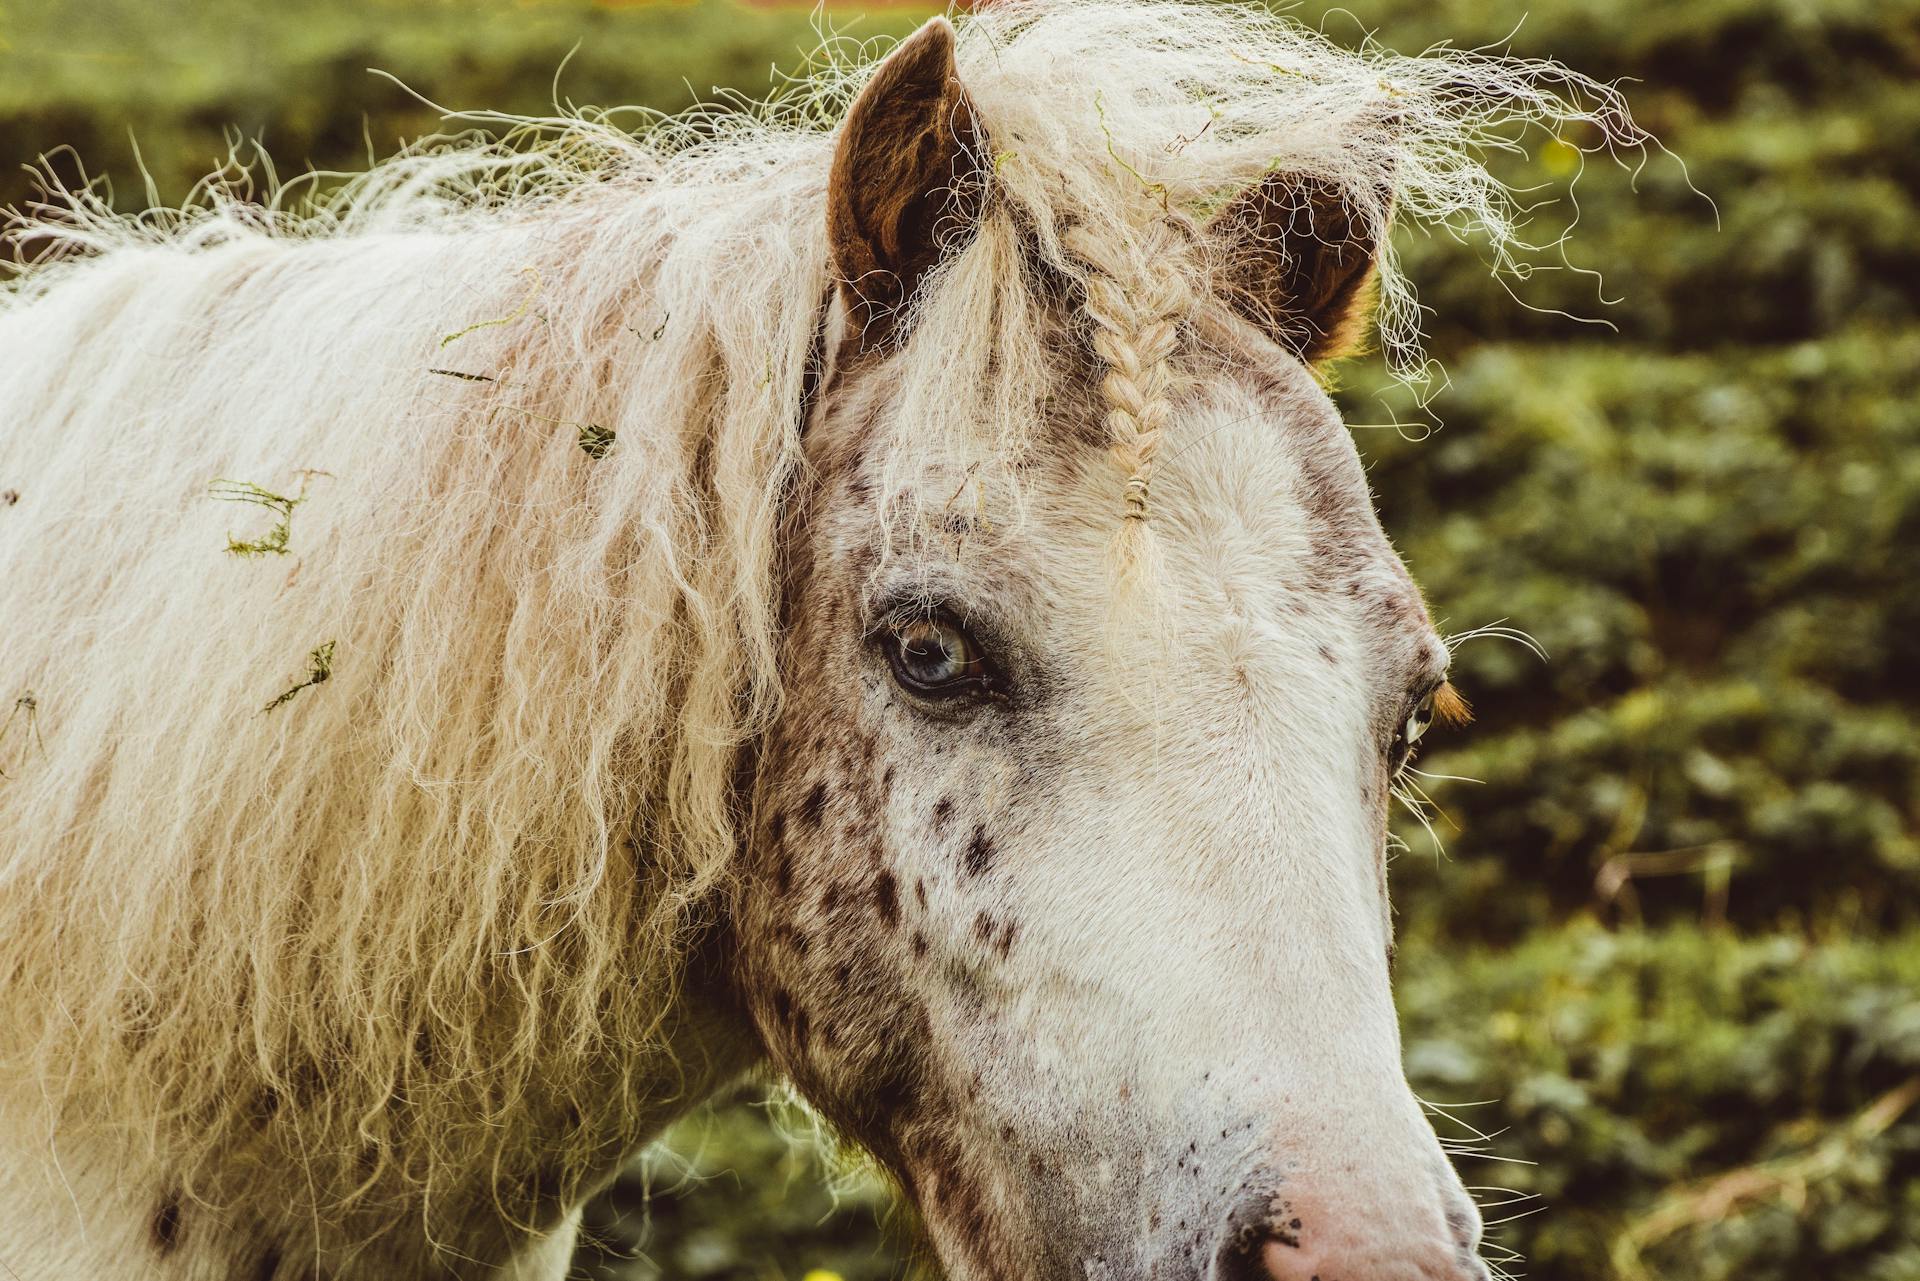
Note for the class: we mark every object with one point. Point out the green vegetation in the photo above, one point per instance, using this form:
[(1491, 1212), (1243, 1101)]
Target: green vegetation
[(274, 541), (1675, 937), (319, 672)]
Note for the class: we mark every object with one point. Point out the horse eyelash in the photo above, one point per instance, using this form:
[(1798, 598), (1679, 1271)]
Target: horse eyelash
[(1450, 707)]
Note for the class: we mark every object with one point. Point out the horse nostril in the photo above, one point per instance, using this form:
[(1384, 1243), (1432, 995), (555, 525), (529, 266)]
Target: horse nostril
[(1284, 1261), (1272, 1256), (1287, 1258), (1240, 1261), (1296, 1233)]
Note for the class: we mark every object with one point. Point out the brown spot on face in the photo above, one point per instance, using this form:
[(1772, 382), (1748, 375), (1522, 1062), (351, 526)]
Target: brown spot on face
[(814, 806), (979, 853), (920, 893), (783, 873), (983, 928), (886, 898), (942, 811), (8, 497), (919, 943), (893, 1098), (1006, 940), (1326, 652)]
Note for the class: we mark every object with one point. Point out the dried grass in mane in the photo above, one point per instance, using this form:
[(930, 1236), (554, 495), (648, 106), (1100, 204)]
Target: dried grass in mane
[(537, 400)]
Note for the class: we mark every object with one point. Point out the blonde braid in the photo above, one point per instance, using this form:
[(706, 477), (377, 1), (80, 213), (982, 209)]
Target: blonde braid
[(1136, 306)]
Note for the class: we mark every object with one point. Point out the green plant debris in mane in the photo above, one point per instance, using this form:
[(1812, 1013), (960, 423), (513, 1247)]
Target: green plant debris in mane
[(658, 329), (274, 541), (1158, 189), (27, 708), (596, 440), (319, 672), (533, 291)]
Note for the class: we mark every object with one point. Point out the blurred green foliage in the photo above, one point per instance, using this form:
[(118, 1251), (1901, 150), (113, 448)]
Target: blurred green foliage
[(1692, 1105), (179, 79), (746, 1188), (1675, 936)]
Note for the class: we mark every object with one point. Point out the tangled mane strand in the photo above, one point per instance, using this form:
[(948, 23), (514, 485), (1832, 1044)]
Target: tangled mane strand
[(426, 915)]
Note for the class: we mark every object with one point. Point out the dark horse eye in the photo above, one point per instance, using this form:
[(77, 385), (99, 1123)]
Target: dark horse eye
[(934, 657), (1443, 705), (1408, 735)]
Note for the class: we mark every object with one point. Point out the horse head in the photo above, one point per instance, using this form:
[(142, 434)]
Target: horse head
[(1066, 888)]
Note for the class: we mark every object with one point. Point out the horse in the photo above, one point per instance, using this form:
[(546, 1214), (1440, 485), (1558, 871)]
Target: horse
[(868, 588)]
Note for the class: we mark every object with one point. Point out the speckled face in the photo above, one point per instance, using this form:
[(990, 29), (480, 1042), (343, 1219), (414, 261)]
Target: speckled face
[(1073, 909)]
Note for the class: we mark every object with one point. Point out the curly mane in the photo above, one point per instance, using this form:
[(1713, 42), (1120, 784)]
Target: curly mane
[(381, 803)]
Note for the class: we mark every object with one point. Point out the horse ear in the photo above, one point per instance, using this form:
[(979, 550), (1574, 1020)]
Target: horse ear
[(908, 180), (1299, 260)]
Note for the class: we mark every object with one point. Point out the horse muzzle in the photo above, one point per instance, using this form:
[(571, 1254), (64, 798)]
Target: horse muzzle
[(1345, 1226)]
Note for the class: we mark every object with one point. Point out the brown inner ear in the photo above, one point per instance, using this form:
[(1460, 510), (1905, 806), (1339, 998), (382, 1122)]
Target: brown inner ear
[(908, 182), (1299, 263)]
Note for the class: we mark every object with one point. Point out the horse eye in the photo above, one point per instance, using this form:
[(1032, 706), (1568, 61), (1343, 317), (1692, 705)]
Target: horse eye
[(935, 657), (1400, 751), (1418, 720)]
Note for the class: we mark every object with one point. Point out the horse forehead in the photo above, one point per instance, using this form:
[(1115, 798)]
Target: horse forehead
[(1260, 479), (1268, 446), (1259, 491)]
